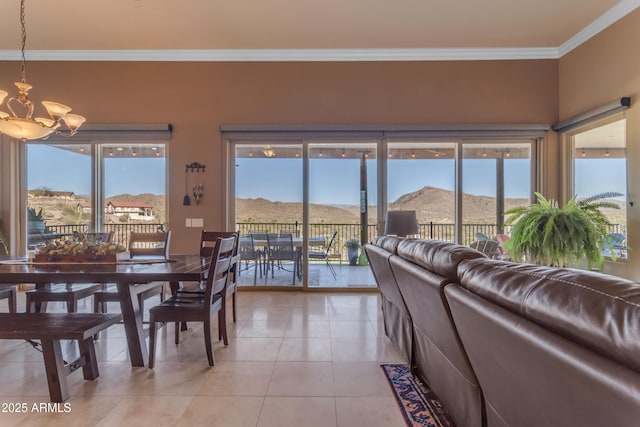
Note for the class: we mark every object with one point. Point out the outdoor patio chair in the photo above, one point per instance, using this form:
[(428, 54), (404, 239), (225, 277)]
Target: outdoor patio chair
[(249, 253), (481, 236), (324, 254), (487, 247), (141, 245), (280, 248), (614, 244), (69, 293), (502, 240), (199, 307)]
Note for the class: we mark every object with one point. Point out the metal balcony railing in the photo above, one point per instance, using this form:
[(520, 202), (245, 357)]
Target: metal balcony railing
[(345, 231)]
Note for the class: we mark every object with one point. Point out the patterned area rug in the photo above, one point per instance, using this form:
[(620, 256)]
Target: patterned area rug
[(418, 404)]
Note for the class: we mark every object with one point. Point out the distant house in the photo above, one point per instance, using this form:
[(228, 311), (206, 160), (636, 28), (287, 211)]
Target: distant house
[(135, 210), (84, 207)]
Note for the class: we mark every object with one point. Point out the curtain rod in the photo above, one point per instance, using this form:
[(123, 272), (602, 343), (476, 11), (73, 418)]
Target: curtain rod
[(610, 108)]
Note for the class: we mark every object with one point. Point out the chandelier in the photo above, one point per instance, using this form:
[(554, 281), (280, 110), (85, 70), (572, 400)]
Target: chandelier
[(24, 127)]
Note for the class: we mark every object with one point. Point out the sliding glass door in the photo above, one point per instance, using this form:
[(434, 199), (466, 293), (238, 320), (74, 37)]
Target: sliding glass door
[(496, 177), (342, 208), (332, 194), (322, 194), (269, 213)]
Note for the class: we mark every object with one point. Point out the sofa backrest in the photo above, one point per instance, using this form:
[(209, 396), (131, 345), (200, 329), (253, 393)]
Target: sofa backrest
[(389, 243), (423, 268), (550, 346), (397, 321), (598, 311), (437, 256)]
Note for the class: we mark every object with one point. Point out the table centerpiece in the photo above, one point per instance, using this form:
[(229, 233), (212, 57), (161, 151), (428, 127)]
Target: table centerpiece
[(71, 251)]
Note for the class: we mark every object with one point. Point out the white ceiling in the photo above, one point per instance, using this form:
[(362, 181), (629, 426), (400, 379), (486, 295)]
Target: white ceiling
[(610, 135), (264, 29)]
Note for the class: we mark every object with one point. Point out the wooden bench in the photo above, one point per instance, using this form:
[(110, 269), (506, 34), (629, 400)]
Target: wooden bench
[(50, 328)]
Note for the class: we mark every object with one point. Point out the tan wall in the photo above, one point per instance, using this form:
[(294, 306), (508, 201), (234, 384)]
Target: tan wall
[(606, 68), (198, 97)]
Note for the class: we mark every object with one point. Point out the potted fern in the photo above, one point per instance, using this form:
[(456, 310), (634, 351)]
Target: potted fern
[(547, 234)]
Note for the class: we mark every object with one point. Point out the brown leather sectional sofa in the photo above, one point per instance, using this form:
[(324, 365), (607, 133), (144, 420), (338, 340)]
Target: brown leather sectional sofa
[(506, 344)]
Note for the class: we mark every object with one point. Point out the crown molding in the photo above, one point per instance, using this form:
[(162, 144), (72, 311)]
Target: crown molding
[(620, 10), (286, 55)]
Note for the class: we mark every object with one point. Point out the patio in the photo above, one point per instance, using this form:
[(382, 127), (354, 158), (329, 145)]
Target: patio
[(352, 277)]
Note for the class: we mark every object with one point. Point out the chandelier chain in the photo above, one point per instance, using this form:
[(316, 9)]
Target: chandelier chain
[(21, 125), (23, 73)]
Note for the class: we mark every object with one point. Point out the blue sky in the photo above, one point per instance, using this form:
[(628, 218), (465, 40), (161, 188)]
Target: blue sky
[(337, 181), (595, 176), (333, 181), (62, 170)]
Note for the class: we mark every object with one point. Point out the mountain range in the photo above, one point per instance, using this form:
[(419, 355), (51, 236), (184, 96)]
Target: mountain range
[(430, 203)]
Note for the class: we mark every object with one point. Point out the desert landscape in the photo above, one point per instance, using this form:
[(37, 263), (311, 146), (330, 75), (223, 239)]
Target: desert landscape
[(431, 205)]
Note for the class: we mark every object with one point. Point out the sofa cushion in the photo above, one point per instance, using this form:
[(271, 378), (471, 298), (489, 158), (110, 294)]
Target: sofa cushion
[(389, 243), (437, 256), (599, 311)]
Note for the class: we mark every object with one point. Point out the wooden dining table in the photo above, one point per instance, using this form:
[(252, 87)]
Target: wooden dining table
[(130, 276)]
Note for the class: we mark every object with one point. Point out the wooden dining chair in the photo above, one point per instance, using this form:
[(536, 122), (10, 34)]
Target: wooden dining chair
[(199, 307), (69, 293), (208, 240), (93, 237), (144, 246), (9, 293)]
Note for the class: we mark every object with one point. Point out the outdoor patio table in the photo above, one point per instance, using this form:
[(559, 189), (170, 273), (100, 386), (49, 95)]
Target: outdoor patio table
[(297, 244), (131, 278)]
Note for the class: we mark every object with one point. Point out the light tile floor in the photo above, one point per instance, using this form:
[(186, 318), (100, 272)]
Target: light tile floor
[(294, 359), (319, 276)]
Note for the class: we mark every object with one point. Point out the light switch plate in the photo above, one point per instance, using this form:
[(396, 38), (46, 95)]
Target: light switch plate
[(197, 222)]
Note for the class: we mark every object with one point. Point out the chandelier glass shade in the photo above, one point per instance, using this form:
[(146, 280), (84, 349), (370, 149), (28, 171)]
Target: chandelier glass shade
[(19, 123)]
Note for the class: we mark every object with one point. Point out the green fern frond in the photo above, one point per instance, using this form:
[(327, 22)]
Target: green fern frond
[(550, 235)]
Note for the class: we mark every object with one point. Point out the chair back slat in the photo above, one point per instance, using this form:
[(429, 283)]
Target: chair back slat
[(219, 268), (208, 240), (150, 244)]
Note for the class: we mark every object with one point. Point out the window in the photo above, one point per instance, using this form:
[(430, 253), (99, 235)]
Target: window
[(118, 187), (600, 166)]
